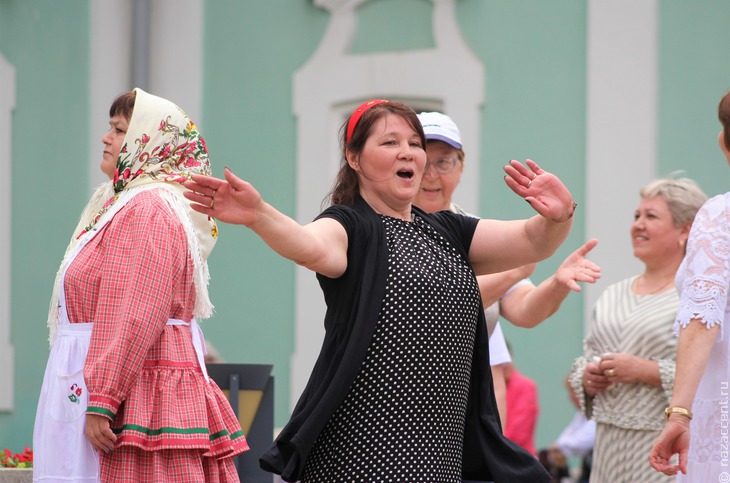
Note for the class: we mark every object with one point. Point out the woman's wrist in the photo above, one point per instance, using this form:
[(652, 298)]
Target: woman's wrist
[(570, 214), (676, 412)]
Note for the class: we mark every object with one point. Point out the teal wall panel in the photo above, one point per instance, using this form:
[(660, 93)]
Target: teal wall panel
[(390, 25), (47, 43), (252, 50), (535, 104), (694, 73)]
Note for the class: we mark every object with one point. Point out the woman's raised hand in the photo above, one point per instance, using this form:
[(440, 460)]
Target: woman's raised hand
[(231, 200), (544, 191)]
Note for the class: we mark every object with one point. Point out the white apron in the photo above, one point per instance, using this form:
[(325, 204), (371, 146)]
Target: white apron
[(61, 451)]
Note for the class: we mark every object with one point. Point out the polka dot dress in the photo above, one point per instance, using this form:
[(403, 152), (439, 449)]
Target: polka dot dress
[(403, 417)]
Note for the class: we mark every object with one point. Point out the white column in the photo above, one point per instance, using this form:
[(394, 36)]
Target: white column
[(176, 56), (110, 71), (7, 353), (172, 75), (621, 130)]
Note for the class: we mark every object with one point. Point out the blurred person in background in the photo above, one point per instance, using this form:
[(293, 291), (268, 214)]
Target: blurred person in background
[(625, 377)]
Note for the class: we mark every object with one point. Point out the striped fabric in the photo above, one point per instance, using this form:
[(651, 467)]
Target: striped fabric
[(620, 456), (629, 416), (634, 324)]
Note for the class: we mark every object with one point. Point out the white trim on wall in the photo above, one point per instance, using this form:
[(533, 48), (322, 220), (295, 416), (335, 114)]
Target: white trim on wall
[(110, 72), (179, 77), (621, 131), (329, 86), (7, 353)]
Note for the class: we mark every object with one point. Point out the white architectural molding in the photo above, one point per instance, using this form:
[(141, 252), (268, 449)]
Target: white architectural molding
[(111, 30), (7, 353), (178, 78), (621, 130), (326, 90), (110, 74)]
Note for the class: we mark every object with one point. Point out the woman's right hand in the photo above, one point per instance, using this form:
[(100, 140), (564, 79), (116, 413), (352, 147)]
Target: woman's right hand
[(594, 382), (98, 430), (232, 200), (674, 439)]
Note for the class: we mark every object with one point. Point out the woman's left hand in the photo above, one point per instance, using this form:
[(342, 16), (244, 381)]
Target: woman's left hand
[(577, 268), (544, 191), (621, 367)]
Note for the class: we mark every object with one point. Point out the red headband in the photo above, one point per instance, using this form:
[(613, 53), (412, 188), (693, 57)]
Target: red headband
[(357, 114)]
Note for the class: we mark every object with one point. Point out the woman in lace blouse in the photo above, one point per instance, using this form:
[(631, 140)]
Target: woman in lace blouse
[(624, 379), (697, 416)]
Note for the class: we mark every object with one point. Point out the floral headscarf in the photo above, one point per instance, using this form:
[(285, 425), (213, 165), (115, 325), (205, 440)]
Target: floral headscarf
[(162, 149)]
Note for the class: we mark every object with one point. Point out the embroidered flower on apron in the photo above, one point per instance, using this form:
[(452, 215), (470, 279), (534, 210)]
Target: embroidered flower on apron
[(76, 392)]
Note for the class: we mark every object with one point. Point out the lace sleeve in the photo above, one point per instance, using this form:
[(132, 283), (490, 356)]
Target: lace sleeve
[(703, 276), (666, 375), (576, 383)]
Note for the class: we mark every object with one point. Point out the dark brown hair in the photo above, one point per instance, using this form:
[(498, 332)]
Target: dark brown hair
[(123, 105), (723, 113), (347, 186)]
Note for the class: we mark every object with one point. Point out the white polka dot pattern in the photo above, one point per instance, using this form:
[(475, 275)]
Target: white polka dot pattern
[(403, 417)]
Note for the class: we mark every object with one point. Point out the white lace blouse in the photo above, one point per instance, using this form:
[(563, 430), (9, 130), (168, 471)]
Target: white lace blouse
[(702, 280)]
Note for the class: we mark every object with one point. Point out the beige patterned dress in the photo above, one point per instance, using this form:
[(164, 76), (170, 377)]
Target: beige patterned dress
[(629, 417)]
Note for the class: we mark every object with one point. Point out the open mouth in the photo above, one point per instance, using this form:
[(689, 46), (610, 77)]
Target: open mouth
[(405, 173)]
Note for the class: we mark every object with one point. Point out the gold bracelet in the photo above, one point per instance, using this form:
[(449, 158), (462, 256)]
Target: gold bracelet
[(677, 410)]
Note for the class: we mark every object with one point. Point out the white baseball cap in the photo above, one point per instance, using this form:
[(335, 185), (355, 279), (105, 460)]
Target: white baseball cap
[(440, 127)]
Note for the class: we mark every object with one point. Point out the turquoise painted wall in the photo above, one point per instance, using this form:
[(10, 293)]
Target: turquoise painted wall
[(535, 104), (47, 42), (250, 127), (694, 73)]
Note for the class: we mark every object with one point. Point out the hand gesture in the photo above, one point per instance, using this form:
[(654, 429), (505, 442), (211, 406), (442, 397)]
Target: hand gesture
[(544, 191), (99, 432), (674, 439), (594, 382), (620, 367), (576, 268), (231, 200)]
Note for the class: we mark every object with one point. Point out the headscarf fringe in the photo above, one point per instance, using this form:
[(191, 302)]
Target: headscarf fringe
[(169, 150), (203, 308)]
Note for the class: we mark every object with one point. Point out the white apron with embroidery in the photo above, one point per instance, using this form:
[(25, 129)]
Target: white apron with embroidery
[(61, 450)]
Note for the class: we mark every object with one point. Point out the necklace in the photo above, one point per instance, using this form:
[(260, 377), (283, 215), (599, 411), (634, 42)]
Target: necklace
[(662, 287)]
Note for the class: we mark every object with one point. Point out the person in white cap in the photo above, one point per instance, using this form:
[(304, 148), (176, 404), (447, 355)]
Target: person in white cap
[(510, 294)]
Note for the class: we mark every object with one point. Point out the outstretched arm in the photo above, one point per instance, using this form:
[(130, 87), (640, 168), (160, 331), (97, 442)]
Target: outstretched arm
[(503, 245), (320, 246), (693, 352), (495, 285), (527, 305)]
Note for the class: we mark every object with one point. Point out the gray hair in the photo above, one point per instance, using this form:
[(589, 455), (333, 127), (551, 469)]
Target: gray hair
[(683, 196)]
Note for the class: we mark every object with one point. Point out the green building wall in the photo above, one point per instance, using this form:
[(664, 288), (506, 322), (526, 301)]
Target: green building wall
[(47, 43)]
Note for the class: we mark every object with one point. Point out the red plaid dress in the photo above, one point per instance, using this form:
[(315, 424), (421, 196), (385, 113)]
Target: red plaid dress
[(141, 373)]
